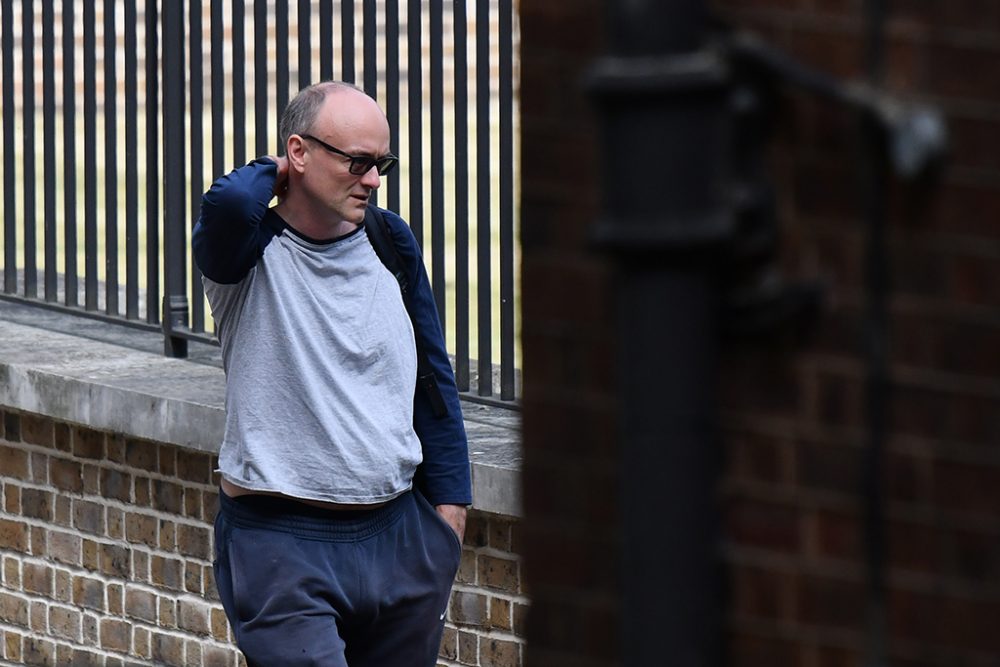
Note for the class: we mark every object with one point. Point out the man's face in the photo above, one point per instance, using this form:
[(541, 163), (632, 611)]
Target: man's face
[(353, 123)]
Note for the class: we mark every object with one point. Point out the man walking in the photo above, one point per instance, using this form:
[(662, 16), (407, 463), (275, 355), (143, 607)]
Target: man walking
[(343, 486)]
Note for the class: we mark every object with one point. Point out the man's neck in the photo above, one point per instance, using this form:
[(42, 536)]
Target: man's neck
[(313, 224)]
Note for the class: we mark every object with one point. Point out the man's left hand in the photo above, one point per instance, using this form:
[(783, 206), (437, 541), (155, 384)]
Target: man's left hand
[(455, 516)]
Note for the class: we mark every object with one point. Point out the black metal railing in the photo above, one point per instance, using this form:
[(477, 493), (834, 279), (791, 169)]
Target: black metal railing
[(114, 124)]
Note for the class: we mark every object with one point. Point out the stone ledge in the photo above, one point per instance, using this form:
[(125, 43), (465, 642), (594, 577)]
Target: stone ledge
[(116, 379)]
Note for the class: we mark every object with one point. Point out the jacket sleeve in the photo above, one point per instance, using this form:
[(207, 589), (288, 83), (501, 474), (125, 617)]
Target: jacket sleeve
[(444, 477), (228, 237)]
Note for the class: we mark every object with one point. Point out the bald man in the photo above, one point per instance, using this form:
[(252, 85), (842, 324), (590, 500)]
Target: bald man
[(343, 492)]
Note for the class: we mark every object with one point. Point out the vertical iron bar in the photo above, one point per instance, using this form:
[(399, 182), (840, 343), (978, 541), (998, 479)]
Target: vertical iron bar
[(414, 128), (70, 283), (110, 166), (218, 90), (28, 140), (392, 93), (152, 111), (49, 149), (281, 67), (370, 56), (347, 40), (305, 46), (239, 84), (9, 210), (460, 22), (436, 37), (878, 381), (132, 165), (196, 71), (261, 61), (483, 203), (506, 197), (326, 39), (175, 302), (90, 155), (370, 46)]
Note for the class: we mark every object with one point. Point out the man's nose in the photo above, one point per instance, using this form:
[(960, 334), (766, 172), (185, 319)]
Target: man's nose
[(371, 178)]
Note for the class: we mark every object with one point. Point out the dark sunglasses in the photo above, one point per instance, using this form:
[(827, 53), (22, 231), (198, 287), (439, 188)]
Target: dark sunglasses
[(360, 164)]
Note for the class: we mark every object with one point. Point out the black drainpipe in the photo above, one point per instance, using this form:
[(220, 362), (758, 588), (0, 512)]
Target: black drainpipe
[(662, 103)]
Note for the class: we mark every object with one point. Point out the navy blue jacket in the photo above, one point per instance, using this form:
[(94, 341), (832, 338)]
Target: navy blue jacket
[(229, 239)]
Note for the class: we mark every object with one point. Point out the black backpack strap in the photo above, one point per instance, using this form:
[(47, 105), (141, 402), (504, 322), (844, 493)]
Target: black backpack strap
[(381, 240)]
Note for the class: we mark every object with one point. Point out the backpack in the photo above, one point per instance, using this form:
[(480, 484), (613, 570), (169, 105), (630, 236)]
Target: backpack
[(380, 237)]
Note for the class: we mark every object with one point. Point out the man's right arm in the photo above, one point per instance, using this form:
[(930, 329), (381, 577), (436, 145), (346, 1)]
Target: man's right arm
[(228, 239)]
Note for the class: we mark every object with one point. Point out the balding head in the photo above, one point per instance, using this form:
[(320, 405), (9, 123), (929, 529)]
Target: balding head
[(301, 113)]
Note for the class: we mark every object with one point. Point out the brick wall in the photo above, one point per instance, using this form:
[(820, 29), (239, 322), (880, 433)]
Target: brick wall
[(793, 415), (795, 426), (106, 549)]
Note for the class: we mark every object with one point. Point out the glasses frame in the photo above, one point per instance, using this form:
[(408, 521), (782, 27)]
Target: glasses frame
[(360, 164)]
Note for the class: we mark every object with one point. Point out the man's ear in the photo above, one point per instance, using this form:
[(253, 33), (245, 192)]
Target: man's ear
[(296, 152)]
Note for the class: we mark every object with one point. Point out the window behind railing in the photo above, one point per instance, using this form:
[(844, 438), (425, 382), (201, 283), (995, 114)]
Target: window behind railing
[(118, 114)]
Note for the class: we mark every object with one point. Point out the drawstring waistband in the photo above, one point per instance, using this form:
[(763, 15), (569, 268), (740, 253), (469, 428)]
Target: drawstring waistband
[(296, 518)]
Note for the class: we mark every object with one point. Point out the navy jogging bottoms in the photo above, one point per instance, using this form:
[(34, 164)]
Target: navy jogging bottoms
[(306, 586)]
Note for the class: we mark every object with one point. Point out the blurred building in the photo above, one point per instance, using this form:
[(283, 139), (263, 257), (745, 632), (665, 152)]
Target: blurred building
[(843, 540)]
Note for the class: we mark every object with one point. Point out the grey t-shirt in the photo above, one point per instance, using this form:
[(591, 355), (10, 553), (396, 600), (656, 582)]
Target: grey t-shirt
[(321, 365)]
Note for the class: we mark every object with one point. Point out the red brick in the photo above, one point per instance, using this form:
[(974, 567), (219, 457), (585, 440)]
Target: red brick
[(13, 610), (141, 454), (168, 460), (194, 466), (13, 535), (140, 605), (37, 578), (762, 594), (142, 494), (90, 555), (217, 657), (11, 426), (750, 649), (88, 517), (765, 525), (115, 560), (194, 541), (13, 463), (65, 623), (219, 624), (469, 609), (499, 653), (12, 499), (115, 635), (88, 593), (500, 614), (37, 430), (499, 574), (87, 443), (167, 612), (167, 649), (38, 651), (168, 535), (37, 504), (468, 648), (63, 436), (167, 573), (194, 578), (168, 496), (141, 529), (829, 602), (194, 617), (449, 644), (116, 485), (63, 511)]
